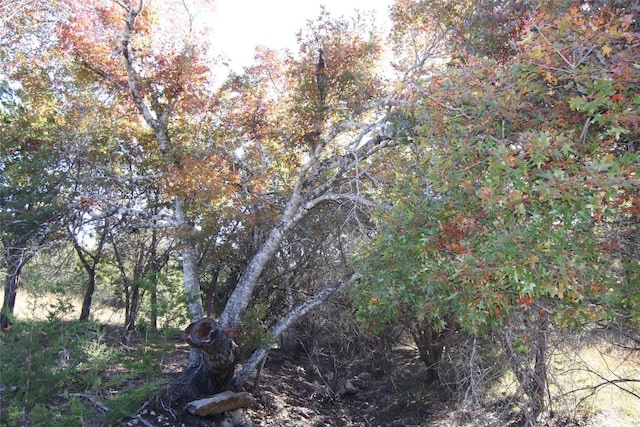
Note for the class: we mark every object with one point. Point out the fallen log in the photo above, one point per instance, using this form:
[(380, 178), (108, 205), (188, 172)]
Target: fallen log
[(221, 402)]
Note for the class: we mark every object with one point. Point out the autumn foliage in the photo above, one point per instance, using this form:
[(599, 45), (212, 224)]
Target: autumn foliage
[(484, 157), (526, 169), (521, 171)]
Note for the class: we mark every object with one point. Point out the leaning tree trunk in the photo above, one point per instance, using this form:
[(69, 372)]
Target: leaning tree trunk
[(217, 354), (259, 355), (12, 280)]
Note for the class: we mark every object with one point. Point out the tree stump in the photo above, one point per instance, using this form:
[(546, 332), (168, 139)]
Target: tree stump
[(212, 370)]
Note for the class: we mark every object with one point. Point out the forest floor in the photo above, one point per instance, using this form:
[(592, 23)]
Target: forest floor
[(320, 390), (317, 389), (310, 387)]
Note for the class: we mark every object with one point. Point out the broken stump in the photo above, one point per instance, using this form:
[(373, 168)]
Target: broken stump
[(213, 369)]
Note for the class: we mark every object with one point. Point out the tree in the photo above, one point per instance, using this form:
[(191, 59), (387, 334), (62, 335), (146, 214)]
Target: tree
[(327, 138), (140, 256), (43, 133), (89, 260), (32, 180), (504, 229)]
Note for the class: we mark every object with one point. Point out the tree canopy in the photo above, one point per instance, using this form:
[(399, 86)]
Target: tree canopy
[(473, 172)]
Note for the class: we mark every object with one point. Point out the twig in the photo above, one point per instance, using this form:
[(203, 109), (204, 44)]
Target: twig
[(449, 107), (169, 410), (572, 64), (288, 319), (606, 382), (91, 399), (331, 392), (564, 58), (585, 129), (256, 381), (144, 405), (142, 420)]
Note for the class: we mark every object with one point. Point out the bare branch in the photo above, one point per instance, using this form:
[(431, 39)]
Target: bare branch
[(594, 388), (295, 314), (91, 399)]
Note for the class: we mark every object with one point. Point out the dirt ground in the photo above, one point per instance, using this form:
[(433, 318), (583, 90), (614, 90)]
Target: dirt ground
[(316, 391), (320, 390)]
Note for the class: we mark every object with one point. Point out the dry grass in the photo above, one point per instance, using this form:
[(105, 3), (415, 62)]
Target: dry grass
[(44, 306), (598, 379)]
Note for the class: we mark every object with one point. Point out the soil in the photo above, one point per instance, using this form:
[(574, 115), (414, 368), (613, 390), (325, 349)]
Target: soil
[(319, 389)]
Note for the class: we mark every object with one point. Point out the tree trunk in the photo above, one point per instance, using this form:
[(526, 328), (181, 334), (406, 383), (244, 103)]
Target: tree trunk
[(537, 381), (133, 305), (158, 121), (90, 267), (5, 322), (258, 356), (210, 291), (191, 279), (241, 295), (11, 285), (529, 364), (15, 259), (217, 354), (430, 343), (189, 264), (153, 299), (88, 295)]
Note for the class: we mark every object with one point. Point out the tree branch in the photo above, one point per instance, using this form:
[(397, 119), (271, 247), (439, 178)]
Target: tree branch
[(295, 314), (606, 382)]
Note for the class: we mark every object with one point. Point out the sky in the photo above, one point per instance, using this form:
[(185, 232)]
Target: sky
[(240, 25)]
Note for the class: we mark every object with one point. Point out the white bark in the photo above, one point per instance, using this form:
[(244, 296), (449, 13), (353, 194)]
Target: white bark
[(157, 121), (288, 320), (315, 183), (189, 265)]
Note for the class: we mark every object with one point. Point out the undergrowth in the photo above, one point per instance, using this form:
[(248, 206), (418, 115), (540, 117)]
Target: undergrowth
[(59, 373)]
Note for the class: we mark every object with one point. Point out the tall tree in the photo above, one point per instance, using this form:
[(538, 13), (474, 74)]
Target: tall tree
[(164, 77)]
